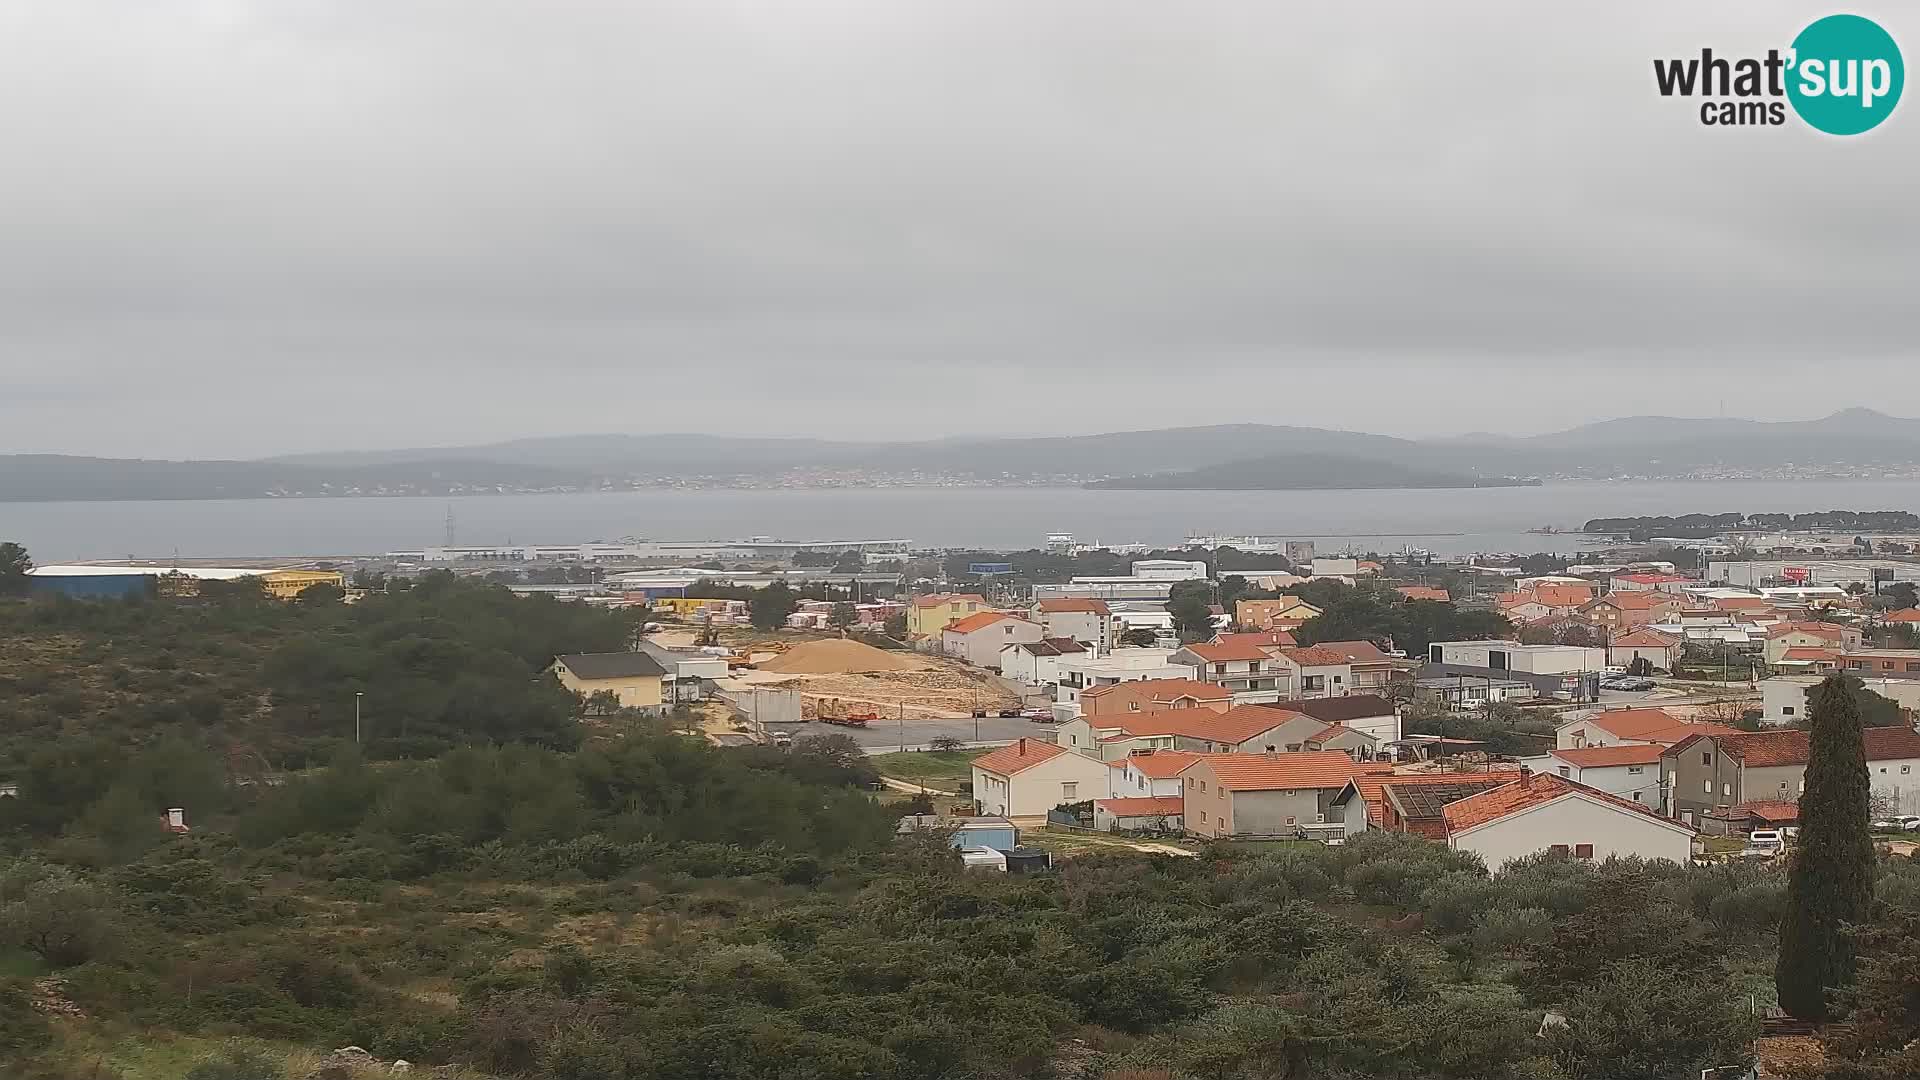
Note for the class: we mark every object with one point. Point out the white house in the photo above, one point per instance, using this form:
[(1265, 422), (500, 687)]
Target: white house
[(1078, 673), (1037, 663), (1547, 812), (1027, 778), (1156, 814), (1089, 622), (1239, 665), (1149, 773), (978, 638), (1629, 770)]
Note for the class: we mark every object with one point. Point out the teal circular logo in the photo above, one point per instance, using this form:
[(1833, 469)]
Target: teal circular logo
[(1847, 75)]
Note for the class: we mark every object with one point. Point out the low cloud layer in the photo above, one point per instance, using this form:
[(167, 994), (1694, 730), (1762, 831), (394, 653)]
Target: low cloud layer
[(233, 229)]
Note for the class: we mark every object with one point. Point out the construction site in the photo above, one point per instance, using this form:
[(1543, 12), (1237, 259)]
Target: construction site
[(840, 678)]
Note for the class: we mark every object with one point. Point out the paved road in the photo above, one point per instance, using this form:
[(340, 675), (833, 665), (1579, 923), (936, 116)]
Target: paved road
[(884, 735)]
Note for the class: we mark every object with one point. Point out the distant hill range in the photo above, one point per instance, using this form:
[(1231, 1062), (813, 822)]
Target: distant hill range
[(1226, 457)]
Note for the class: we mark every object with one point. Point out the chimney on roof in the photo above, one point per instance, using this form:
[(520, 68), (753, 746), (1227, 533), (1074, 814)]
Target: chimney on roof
[(1021, 749), (1271, 756)]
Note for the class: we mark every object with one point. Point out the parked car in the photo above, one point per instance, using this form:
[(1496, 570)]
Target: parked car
[(1626, 682), (1764, 844), (1902, 823), (1039, 716), (1008, 713)]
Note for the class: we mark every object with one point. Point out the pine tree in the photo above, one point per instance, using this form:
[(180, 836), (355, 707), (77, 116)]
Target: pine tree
[(1830, 884)]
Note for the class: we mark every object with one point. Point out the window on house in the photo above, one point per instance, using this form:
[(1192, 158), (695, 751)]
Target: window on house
[(1219, 669), (1706, 757), (1635, 770), (1221, 794), (1069, 792), (1558, 849), (1583, 851), (1133, 706), (1726, 789), (1203, 815), (1786, 710), (1706, 786), (1564, 771)]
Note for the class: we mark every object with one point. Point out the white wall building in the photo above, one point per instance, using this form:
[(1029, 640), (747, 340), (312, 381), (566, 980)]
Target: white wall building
[(1546, 812), (1513, 656), (1783, 698), (1167, 570), (1037, 663), (1079, 673), (1028, 777), (1629, 771)]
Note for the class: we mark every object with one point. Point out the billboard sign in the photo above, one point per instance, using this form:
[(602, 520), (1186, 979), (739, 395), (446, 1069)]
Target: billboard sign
[(1882, 573), (1796, 573), (990, 568)]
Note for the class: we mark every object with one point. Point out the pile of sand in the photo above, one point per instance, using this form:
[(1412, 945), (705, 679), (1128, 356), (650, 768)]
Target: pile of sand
[(837, 656)]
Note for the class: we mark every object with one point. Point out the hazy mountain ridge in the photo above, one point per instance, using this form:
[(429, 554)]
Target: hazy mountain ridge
[(1636, 445), (1300, 472)]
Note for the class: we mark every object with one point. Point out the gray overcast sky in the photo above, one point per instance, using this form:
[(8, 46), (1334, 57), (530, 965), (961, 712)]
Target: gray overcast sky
[(231, 228)]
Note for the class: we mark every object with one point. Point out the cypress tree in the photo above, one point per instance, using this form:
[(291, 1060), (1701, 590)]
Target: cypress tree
[(1830, 882)]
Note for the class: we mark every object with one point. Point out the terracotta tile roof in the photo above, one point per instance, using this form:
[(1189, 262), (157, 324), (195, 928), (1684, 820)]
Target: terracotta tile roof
[(1809, 652), (1057, 607), (1225, 652), (979, 620), (1820, 629), (1314, 656), (1268, 638), (1159, 764), (1158, 690), (1529, 792), (1600, 757), (1145, 806), (1562, 595), (1328, 733), (1772, 810), (1236, 725), (1356, 652), (1645, 639), (1424, 592), (1767, 749), (1653, 725), (1652, 579), (1018, 756), (1904, 615), (1280, 772), (1372, 781), (1422, 807), (1742, 603)]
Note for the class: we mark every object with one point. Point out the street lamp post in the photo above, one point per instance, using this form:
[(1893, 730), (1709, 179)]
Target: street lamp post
[(357, 695)]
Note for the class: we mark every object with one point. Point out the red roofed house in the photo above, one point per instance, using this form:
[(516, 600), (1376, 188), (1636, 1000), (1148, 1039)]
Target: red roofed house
[(1027, 778), (1147, 772), (1369, 669), (1243, 667), (1271, 794), (1416, 803), (1242, 729), (1373, 780), (1816, 635), (1652, 646), (1280, 613), (1621, 610), (1906, 616), (926, 615), (1710, 772), (1629, 770), (1315, 671), (1159, 813), (1037, 663), (1142, 695), (1424, 592), (1268, 639), (1088, 622), (979, 637), (1546, 812), (1644, 726)]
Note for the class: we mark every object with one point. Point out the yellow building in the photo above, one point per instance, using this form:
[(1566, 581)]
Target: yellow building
[(692, 607), (928, 615), (288, 584), (634, 678)]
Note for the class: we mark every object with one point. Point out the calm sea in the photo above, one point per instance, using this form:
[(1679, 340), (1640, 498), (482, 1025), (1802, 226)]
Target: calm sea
[(1486, 519)]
